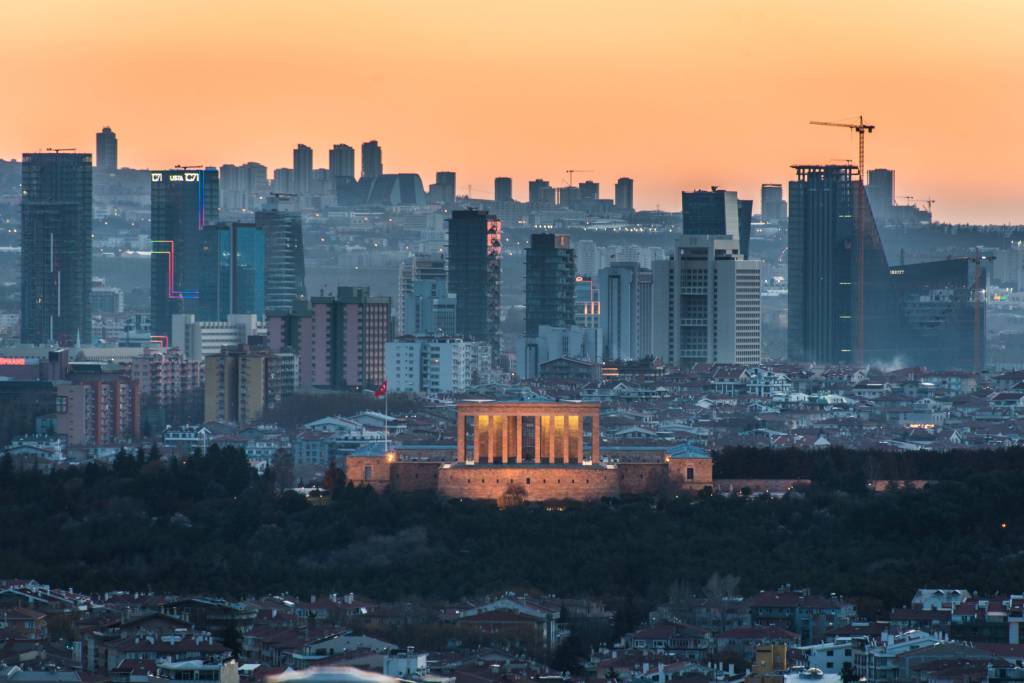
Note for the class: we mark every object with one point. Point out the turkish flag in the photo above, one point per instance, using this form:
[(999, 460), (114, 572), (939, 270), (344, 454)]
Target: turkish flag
[(381, 390)]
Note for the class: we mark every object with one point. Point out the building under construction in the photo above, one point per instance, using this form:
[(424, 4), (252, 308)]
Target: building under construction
[(847, 305)]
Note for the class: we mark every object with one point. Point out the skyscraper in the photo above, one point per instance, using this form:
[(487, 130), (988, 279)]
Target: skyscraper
[(285, 257), (590, 189), (474, 274), (542, 195), (718, 212), (825, 284), (422, 283), (302, 167), (342, 161), (106, 151), (624, 288), (443, 189), (773, 208), (550, 282), (56, 248), (707, 303), (624, 194), (881, 193), (373, 159), (241, 269), (503, 190), (183, 265)]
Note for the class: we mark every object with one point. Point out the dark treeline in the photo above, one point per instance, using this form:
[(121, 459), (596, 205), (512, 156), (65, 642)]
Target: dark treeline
[(211, 525), (836, 465)]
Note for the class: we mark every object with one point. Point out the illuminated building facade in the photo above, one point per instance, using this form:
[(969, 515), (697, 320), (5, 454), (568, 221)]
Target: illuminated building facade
[(183, 266), (285, 262), (56, 248), (530, 451)]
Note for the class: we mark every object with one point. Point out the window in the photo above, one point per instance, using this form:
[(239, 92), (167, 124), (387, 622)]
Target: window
[(689, 474)]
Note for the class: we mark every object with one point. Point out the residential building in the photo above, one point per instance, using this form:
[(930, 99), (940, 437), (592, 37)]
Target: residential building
[(243, 381), (166, 375), (56, 248), (442, 190), (503, 190), (339, 340), (98, 406), (106, 151), (372, 160), (302, 169), (624, 194), (436, 365), (342, 161), (626, 306)]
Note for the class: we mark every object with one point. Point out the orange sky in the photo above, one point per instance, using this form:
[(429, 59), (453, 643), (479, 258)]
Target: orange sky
[(677, 94)]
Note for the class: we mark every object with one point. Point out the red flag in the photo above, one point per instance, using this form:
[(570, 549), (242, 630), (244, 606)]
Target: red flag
[(381, 390)]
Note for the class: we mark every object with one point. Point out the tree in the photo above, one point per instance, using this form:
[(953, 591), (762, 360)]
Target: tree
[(848, 674)]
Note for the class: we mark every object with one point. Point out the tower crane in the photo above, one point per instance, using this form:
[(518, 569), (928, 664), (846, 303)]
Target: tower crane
[(861, 128), (861, 211), (58, 150), (570, 171)]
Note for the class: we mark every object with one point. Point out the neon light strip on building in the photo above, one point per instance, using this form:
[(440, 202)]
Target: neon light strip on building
[(169, 251)]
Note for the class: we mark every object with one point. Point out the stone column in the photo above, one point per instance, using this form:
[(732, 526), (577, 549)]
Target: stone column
[(477, 454), (578, 438), (595, 440), (550, 434), (565, 439), (460, 437), (501, 431), (519, 438), (537, 420)]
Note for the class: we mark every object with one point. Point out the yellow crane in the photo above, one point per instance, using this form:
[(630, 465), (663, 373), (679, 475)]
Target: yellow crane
[(860, 127)]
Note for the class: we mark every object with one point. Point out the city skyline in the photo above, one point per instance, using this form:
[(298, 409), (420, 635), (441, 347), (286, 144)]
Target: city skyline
[(725, 107)]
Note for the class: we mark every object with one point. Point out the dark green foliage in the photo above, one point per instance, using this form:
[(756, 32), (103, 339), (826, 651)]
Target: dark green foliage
[(209, 524)]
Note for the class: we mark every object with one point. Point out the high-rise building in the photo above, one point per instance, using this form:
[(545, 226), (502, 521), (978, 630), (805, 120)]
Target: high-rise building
[(339, 340), (550, 282), (624, 194), (474, 275), (200, 338), (442, 191), (373, 159), (847, 305), (542, 195), (56, 248), (707, 303), (285, 260), (106, 150), (626, 309), (590, 190), (183, 265), (302, 167), (503, 190), (588, 258), (568, 196), (555, 343), (242, 188), (720, 213), (241, 269), (98, 406), (882, 193), (424, 304), (825, 284), (588, 303), (342, 161), (773, 208), (284, 181), (166, 376)]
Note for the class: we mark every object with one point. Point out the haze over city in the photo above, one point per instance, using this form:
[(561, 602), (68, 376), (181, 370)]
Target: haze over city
[(674, 95)]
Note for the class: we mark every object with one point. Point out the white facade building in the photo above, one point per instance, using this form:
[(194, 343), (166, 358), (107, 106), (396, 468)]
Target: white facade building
[(708, 303), (198, 339), (435, 365)]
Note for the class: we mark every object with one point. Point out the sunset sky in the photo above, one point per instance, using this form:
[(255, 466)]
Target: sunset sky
[(677, 94)]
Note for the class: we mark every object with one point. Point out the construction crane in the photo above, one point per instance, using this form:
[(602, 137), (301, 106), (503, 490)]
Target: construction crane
[(860, 127), (58, 150), (188, 167), (929, 202), (570, 171), (861, 211)]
